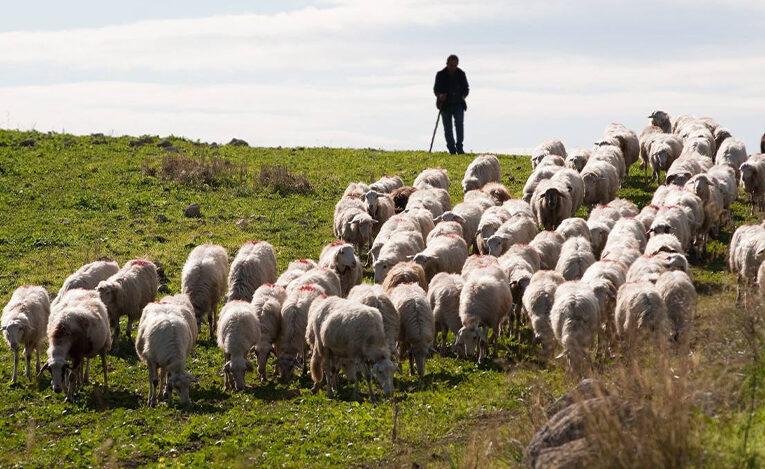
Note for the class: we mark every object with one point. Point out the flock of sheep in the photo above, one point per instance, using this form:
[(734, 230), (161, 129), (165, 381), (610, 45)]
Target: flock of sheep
[(620, 276)]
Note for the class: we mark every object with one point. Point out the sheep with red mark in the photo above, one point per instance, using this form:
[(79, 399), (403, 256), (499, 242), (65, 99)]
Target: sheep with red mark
[(204, 279)]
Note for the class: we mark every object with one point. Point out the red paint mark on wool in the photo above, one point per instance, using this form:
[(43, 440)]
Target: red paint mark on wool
[(655, 207), (304, 261), (254, 242), (269, 285), (337, 243), (139, 262), (324, 297), (307, 287)]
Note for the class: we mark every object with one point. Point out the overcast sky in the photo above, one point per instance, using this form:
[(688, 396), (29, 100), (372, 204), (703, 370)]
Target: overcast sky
[(346, 73)]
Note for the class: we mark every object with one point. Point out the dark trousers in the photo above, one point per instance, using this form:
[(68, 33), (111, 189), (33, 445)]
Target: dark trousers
[(458, 112)]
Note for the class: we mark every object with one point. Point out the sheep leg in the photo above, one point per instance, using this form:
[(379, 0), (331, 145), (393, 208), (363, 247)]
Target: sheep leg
[(116, 336), (129, 328), (411, 363), (103, 368), (372, 396), (37, 354), (211, 321), (420, 361), (305, 362), (15, 365), (86, 376), (316, 372), (153, 383), (28, 360)]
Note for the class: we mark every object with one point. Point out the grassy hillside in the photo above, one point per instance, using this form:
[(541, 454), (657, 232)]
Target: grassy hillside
[(70, 200)]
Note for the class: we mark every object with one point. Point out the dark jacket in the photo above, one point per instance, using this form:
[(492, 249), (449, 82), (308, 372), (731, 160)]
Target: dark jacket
[(455, 86)]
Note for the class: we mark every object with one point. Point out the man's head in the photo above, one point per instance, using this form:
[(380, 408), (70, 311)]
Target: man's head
[(451, 63)]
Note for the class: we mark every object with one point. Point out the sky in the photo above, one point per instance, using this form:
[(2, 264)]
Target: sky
[(343, 73)]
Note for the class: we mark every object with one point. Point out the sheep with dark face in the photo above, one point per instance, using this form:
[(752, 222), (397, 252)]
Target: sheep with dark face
[(662, 120), (551, 203)]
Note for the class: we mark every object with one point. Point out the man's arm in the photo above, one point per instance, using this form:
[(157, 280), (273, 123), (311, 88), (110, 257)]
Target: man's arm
[(467, 87)]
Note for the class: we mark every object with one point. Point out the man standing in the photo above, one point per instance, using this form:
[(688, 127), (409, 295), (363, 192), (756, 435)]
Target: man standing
[(451, 89)]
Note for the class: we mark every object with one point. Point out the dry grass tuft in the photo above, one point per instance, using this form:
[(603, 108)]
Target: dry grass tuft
[(282, 181), (195, 172)]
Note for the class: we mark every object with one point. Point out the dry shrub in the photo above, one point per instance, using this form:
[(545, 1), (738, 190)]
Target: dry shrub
[(195, 172), (279, 179)]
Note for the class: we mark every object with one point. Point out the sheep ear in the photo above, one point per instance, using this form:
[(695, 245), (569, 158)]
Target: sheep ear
[(374, 221), (459, 218), (438, 219), (483, 335), (561, 355), (44, 369), (227, 367)]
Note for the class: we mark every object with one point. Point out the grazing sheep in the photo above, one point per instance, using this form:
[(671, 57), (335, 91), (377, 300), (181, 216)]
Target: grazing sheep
[(480, 198), (575, 257), (577, 158), (517, 229), (342, 259), (753, 181), (417, 324), (445, 253), (327, 279), (519, 272), (551, 160), (681, 170), (548, 147), (497, 192), (662, 152), (164, 343), (445, 228), (679, 295), (572, 181), (24, 322), (432, 177), (238, 332), (423, 218), (444, 299), (185, 309), (601, 181), (599, 231), (434, 200), (713, 203), (403, 222), (401, 246), (404, 272), (127, 292), (375, 296), (539, 175), (640, 314), (518, 207), (88, 277), (624, 254), (649, 267), (613, 271), (537, 302), (747, 252), (356, 189), (203, 279), (352, 223), (401, 196), (386, 184), (647, 136), (575, 322), (691, 204), (606, 214), (673, 220), (349, 332), (79, 330), (528, 252), (573, 227), (724, 178), (607, 150), (292, 347), (627, 142), (548, 244), (663, 243), (267, 302), (551, 203), (294, 270), (483, 169), (477, 261), (466, 214), (254, 265), (485, 301), (380, 207), (662, 120)]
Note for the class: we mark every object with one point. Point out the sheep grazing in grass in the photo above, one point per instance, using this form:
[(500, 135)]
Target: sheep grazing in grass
[(402, 222), (477, 261), (626, 140), (164, 343), (23, 323), (445, 228), (203, 279), (551, 160), (466, 214), (432, 177), (641, 314), (537, 302), (673, 220), (423, 219), (573, 227), (753, 181), (647, 215), (575, 322), (88, 277), (356, 189), (78, 331), (342, 259), (386, 184), (254, 265), (483, 169), (185, 309), (294, 270), (664, 242), (647, 136), (713, 203), (679, 295), (747, 252), (405, 272), (417, 325), (292, 347), (490, 222), (445, 253), (127, 292), (517, 229), (444, 298), (572, 182), (548, 147), (327, 279), (518, 207), (401, 246), (433, 199), (485, 301), (662, 152), (607, 150), (480, 198), (575, 257), (267, 303), (535, 178), (352, 223), (238, 332), (375, 296)]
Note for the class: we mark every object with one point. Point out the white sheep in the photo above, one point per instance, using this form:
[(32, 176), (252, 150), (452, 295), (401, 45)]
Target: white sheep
[(573, 182), (689, 203), (491, 220), (386, 184), (24, 322), (88, 277), (432, 177), (517, 229), (327, 279), (681, 170), (611, 270), (640, 314), (713, 203), (518, 207), (185, 309), (575, 322), (605, 213), (536, 177), (294, 270), (732, 153), (380, 207), (577, 158), (747, 252), (537, 302), (753, 181), (267, 302), (444, 298), (254, 265), (479, 197), (79, 330), (485, 301), (664, 242), (519, 272), (679, 295), (292, 347), (573, 227), (724, 178), (647, 136), (417, 325), (477, 261), (662, 152), (575, 257), (466, 214), (627, 141), (127, 292), (433, 199), (548, 244), (483, 169), (673, 220), (402, 222), (164, 342), (238, 332), (548, 147), (356, 189), (551, 160), (423, 218), (649, 267), (647, 215), (203, 279), (445, 228), (608, 151), (601, 181), (342, 259), (551, 203), (352, 223), (375, 296), (599, 230), (445, 253), (630, 228), (399, 247)]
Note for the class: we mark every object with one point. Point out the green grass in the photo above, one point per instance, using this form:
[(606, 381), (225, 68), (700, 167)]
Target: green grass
[(69, 200)]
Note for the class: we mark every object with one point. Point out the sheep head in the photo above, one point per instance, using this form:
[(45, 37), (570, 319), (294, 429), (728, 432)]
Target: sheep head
[(345, 258), (180, 383), (470, 338), (470, 183), (236, 369), (383, 371), (14, 333)]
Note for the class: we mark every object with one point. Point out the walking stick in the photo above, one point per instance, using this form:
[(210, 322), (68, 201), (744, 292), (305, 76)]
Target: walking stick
[(438, 117)]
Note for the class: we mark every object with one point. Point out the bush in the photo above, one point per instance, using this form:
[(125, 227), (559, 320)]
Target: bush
[(194, 172), (282, 181)]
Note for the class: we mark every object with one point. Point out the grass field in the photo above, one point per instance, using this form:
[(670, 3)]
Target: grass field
[(70, 200)]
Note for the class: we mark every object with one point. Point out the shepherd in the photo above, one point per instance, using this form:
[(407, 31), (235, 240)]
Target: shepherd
[(451, 89)]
